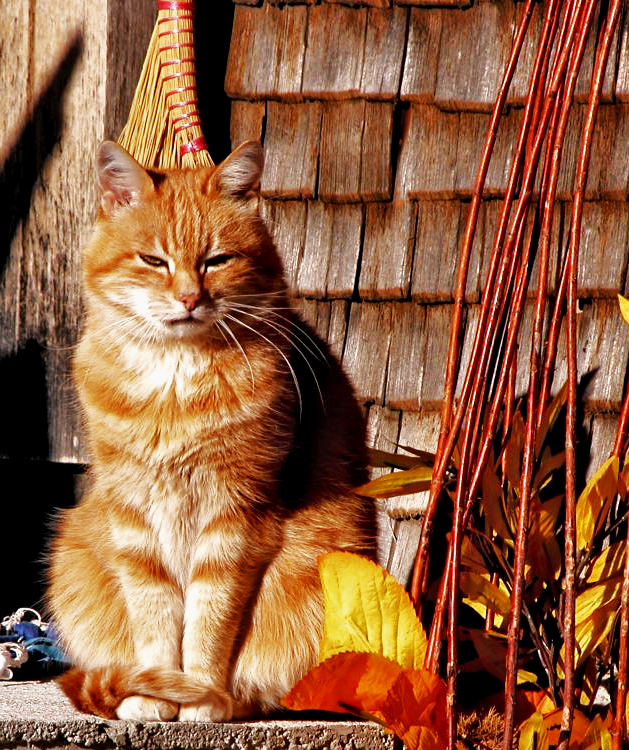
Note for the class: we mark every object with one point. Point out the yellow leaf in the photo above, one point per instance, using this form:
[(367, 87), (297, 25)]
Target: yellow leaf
[(533, 734), (524, 677), (398, 483), (367, 610), (479, 588), (595, 617), (595, 500), (624, 307), (609, 564)]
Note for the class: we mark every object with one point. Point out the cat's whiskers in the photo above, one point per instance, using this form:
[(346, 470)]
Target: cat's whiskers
[(299, 331), (286, 334), (276, 347), (221, 324)]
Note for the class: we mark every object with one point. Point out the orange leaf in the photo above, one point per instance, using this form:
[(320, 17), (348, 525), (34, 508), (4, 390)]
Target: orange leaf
[(409, 702)]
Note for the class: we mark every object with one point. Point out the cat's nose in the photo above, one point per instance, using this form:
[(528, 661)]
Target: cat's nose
[(190, 300)]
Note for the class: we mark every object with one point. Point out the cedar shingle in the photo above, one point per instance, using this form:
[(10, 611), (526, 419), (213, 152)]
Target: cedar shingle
[(521, 78), (422, 55), (604, 247), (470, 325), (582, 90), (602, 350), (567, 170), (384, 49), (474, 50), (246, 121), (367, 349), (333, 63), (337, 332), (472, 134), (286, 221), (341, 142), (440, 226), (428, 156), (609, 168), (291, 146), (373, 3), (602, 434), (266, 55), (437, 335), (375, 158), (555, 245), (437, 3), (328, 264), (622, 79), (406, 357), (387, 250)]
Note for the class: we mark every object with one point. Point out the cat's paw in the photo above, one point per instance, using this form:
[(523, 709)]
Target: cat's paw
[(219, 707), (141, 708)]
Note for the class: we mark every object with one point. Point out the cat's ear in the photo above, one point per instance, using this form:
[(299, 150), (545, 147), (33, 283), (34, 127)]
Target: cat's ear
[(239, 174), (123, 182)]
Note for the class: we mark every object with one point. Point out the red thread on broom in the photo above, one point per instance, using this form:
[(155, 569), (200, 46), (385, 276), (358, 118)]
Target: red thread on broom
[(198, 144)]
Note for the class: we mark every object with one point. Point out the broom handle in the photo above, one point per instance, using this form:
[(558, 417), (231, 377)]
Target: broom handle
[(175, 19)]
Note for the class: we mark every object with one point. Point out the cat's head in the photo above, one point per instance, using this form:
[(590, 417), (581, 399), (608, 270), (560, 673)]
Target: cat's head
[(173, 251)]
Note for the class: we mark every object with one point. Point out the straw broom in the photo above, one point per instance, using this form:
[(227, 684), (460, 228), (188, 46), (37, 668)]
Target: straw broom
[(164, 128)]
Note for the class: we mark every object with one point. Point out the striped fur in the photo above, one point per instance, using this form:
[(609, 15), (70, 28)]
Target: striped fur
[(225, 441)]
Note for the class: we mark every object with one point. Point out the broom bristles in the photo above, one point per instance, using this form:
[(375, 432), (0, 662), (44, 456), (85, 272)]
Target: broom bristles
[(163, 128)]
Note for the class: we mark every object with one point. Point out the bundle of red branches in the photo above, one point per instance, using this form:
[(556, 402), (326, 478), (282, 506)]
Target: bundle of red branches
[(486, 399)]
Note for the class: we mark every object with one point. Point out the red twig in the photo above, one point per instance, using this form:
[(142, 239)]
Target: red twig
[(620, 444), (441, 460)]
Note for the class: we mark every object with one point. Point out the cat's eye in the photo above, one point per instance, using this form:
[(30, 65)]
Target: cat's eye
[(216, 260), (153, 260)]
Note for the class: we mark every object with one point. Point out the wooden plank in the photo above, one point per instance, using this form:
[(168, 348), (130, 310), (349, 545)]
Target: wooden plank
[(333, 62), (401, 558), (246, 122), (519, 88), (604, 249), (313, 266), (266, 54), (556, 243), (472, 133), (437, 250), (565, 185), (470, 323), (291, 146), (609, 168), (428, 156), (407, 356), (437, 3), (129, 29), (602, 433), (387, 250), (341, 144), (286, 221), (372, 3), (603, 353), (384, 50), (422, 55), (367, 349), (437, 335), (473, 53)]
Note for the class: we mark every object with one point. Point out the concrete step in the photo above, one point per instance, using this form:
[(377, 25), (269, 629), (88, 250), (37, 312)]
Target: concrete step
[(38, 715)]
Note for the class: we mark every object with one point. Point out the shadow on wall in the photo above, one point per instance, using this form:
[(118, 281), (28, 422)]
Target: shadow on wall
[(31, 486)]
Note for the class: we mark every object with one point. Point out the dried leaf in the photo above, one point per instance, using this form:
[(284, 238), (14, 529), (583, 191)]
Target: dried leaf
[(597, 736), (384, 459), (491, 501), (624, 307), (367, 610), (593, 503), (398, 483), (549, 464), (515, 446), (580, 725), (410, 702), (549, 417)]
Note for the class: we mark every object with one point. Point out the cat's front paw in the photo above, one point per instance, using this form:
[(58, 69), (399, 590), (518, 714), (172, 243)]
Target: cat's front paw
[(142, 708), (217, 707)]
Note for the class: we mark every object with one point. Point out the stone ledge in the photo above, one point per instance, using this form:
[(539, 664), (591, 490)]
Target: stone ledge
[(38, 715)]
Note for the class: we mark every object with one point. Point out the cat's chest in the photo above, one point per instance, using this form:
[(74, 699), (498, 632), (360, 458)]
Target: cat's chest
[(164, 373)]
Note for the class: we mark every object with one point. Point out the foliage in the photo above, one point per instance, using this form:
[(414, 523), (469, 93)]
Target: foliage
[(371, 655)]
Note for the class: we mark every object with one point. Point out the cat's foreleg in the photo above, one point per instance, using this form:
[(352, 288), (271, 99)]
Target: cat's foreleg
[(155, 614), (220, 586)]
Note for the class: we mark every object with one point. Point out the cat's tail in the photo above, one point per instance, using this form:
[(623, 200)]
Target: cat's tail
[(101, 691)]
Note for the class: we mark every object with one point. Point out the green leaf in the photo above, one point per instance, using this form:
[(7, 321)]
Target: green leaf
[(595, 500), (398, 483)]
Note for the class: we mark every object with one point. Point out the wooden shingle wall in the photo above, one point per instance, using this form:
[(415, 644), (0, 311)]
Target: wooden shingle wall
[(373, 115)]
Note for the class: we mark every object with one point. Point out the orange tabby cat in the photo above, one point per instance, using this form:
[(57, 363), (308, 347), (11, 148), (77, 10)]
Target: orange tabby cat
[(225, 442)]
